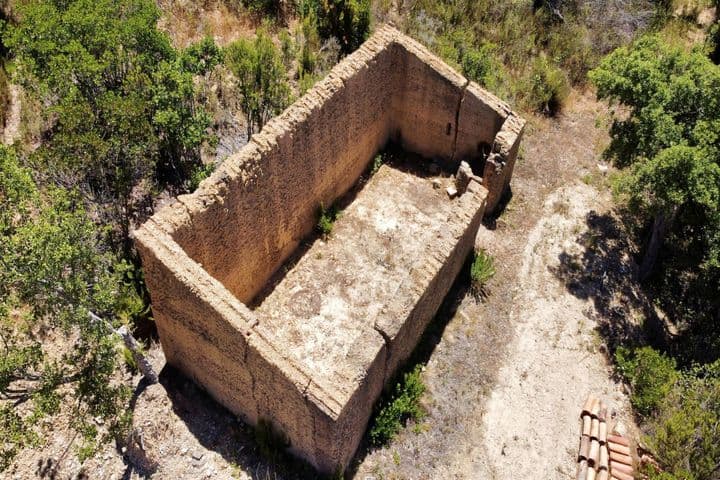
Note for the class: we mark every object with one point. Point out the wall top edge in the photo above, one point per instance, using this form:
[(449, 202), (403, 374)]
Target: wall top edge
[(245, 163)]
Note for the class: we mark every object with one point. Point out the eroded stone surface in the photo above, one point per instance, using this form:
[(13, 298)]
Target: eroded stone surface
[(313, 360)]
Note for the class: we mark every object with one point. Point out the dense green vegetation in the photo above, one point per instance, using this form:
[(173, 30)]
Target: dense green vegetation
[(121, 121), (119, 102), (680, 410), (521, 50), (403, 404), (667, 144), (261, 79), (54, 272)]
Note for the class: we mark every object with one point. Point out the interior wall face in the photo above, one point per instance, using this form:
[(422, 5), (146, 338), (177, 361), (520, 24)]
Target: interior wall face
[(308, 156), (270, 192), (209, 254)]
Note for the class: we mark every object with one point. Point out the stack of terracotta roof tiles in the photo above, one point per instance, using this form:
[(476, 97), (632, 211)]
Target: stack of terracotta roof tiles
[(602, 456)]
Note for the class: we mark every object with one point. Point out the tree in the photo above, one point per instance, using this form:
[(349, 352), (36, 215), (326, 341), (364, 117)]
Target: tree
[(346, 20), (120, 102), (670, 140), (713, 37), (62, 298), (261, 79)]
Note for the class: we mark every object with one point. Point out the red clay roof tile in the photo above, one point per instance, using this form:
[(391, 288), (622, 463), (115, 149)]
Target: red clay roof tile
[(591, 474), (594, 455), (586, 424), (595, 428), (584, 447), (621, 476), (620, 458), (619, 439), (620, 467), (588, 405), (604, 458), (616, 447), (582, 470)]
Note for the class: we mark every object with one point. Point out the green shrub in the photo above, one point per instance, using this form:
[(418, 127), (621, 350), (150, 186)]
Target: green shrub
[(376, 164), (480, 65), (686, 428), (481, 271), (199, 174), (308, 45), (287, 47), (713, 42), (260, 77), (346, 20), (327, 219), (403, 405), (651, 375), (545, 88)]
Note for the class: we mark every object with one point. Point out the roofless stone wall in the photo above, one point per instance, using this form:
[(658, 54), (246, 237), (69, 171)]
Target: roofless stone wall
[(210, 253)]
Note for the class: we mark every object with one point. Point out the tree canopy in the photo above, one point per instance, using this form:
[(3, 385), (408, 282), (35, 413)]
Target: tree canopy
[(670, 137), (261, 79), (55, 273), (120, 100)]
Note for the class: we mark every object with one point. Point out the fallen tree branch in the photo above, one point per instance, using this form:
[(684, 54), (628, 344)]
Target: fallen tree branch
[(142, 362)]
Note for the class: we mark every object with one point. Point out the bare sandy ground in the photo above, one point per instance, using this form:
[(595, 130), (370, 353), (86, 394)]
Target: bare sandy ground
[(529, 424)]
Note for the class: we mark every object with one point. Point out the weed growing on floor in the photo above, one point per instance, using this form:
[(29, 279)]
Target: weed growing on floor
[(377, 163), (481, 271), (270, 440), (404, 404), (327, 219)]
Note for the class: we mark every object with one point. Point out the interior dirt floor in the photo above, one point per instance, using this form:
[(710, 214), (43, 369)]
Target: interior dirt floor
[(506, 377), (328, 300)]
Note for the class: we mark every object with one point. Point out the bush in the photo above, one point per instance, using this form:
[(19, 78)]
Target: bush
[(260, 77), (481, 271), (128, 120), (54, 272), (327, 217), (651, 375), (686, 428), (201, 173), (346, 20), (713, 42), (480, 65), (403, 405), (545, 88)]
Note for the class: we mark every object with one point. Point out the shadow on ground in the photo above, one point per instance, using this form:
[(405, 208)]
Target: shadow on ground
[(606, 274)]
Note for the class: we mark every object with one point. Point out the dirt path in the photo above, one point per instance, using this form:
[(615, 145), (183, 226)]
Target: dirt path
[(530, 421)]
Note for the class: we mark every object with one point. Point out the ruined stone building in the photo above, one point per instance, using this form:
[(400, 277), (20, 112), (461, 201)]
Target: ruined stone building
[(309, 345)]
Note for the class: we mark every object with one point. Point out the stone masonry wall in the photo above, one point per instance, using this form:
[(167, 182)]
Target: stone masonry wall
[(208, 255)]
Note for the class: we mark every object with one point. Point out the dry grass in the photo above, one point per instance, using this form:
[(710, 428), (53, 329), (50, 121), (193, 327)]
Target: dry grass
[(187, 22)]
